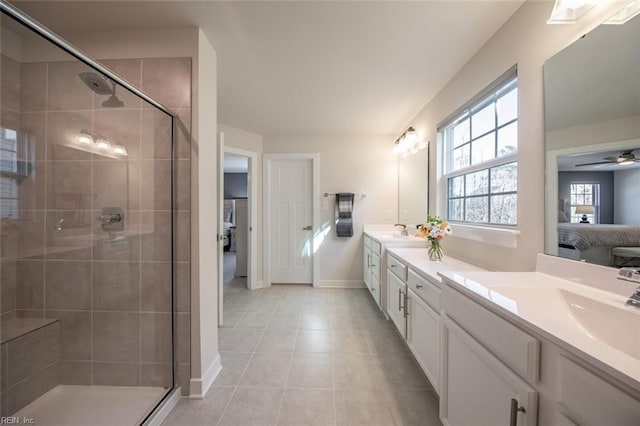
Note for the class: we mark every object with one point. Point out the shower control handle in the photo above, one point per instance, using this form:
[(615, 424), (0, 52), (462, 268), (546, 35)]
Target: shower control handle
[(108, 219)]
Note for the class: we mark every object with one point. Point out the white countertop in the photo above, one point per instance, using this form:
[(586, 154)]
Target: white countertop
[(418, 259), (389, 235), (593, 324)]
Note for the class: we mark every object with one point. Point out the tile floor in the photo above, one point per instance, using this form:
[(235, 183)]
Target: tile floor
[(295, 355)]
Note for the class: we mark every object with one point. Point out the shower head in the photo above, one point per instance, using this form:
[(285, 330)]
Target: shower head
[(96, 82), (113, 101)]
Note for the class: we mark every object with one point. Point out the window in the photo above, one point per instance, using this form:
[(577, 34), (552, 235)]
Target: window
[(480, 157), (585, 195), (8, 171)]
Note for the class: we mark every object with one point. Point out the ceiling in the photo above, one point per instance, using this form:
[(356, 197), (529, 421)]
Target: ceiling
[(312, 68), (567, 163)]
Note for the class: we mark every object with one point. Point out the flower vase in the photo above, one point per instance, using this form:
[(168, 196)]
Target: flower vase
[(435, 251)]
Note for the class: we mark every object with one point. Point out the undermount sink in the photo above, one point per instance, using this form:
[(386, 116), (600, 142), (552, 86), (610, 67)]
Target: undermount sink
[(612, 322)]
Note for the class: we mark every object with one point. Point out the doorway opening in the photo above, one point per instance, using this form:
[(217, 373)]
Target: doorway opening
[(235, 222)]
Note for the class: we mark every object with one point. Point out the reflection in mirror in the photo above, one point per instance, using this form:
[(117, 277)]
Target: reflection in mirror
[(413, 184), (592, 125)]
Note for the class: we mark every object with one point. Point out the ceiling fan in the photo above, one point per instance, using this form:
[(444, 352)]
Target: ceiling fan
[(625, 157)]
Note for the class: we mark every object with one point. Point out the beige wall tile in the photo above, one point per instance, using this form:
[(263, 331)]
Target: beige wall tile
[(30, 234), (75, 372), (156, 184), (119, 245), (10, 88), (157, 72), (156, 135), (33, 86), (156, 244), (131, 70), (34, 127), (30, 287), (116, 336), (62, 129), (75, 334), (116, 286), (156, 337), (156, 286), (156, 374), (26, 391), (8, 286), (183, 338), (73, 240), (115, 374), (116, 184), (69, 185), (119, 126), (68, 285), (65, 90), (33, 352)]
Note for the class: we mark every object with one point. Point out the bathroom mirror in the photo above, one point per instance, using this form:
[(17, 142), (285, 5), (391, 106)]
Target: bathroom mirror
[(413, 184), (592, 132)]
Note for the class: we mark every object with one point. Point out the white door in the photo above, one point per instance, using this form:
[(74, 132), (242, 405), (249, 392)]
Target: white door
[(291, 220), (423, 338), (220, 237)]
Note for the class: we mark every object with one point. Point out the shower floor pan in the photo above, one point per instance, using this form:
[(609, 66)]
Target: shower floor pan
[(93, 405)]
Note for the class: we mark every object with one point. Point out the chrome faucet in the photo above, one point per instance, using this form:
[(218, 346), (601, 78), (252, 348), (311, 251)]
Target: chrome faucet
[(59, 227), (633, 275), (404, 232)]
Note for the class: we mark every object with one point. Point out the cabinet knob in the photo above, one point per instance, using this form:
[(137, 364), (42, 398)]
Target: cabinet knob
[(393, 266), (419, 286)]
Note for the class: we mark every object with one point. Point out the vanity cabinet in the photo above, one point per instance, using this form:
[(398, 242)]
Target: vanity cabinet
[(423, 337), (372, 265), (477, 388)]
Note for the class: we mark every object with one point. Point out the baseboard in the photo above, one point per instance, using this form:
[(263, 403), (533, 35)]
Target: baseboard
[(341, 284), (259, 284), (165, 408), (198, 388)]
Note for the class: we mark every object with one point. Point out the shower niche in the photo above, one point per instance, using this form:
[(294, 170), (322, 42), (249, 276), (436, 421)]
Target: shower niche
[(87, 230)]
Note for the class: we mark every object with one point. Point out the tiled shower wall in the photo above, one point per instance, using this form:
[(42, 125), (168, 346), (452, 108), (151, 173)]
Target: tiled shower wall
[(110, 291)]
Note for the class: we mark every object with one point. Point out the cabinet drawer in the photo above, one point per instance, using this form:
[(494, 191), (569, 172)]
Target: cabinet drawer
[(367, 242), (425, 289), (375, 247), (587, 400), (512, 345), (397, 267)]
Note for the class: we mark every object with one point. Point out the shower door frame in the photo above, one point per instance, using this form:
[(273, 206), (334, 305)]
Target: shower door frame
[(50, 36)]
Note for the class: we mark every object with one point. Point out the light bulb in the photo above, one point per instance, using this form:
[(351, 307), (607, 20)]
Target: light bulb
[(84, 139), (119, 150), (103, 145)]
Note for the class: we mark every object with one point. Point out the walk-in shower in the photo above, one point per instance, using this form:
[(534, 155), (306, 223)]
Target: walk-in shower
[(86, 237)]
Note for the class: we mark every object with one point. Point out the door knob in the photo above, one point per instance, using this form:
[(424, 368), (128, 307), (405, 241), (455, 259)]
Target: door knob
[(307, 228)]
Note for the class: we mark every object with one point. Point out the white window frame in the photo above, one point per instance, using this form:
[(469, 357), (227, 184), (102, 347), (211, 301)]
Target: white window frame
[(497, 234), (595, 201)]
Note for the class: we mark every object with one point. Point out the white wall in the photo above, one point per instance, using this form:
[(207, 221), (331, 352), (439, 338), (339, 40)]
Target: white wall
[(525, 40), (626, 197), (241, 139), (348, 164), (205, 362)]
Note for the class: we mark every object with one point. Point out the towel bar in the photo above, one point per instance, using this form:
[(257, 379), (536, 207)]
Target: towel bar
[(328, 194)]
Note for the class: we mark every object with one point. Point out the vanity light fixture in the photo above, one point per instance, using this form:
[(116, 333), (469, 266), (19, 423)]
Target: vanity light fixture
[(570, 11), (409, 143), (84, 138), (119, 150), (103, 145), (629, 11)]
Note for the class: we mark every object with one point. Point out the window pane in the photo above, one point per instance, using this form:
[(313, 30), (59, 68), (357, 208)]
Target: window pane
[(483, 149), (456, 211), (477, 183), (456, 187), (483, 120), (504, 178), (461, 157), (508, 107), (477, 209), (461, 133), (508, 139), (504, 209)]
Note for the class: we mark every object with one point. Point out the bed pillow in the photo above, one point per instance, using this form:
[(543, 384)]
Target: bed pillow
[(562, 217)]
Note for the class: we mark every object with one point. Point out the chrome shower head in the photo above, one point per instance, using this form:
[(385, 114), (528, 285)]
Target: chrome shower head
[(96, 82)]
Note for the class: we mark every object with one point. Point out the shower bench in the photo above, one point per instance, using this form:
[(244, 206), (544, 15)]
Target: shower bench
[(29, 352)]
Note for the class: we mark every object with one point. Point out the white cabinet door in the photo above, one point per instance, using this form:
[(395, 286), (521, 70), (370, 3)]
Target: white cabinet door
[(477, 389), (395, 299), (423, 338), (367, 266), (375, 289)]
